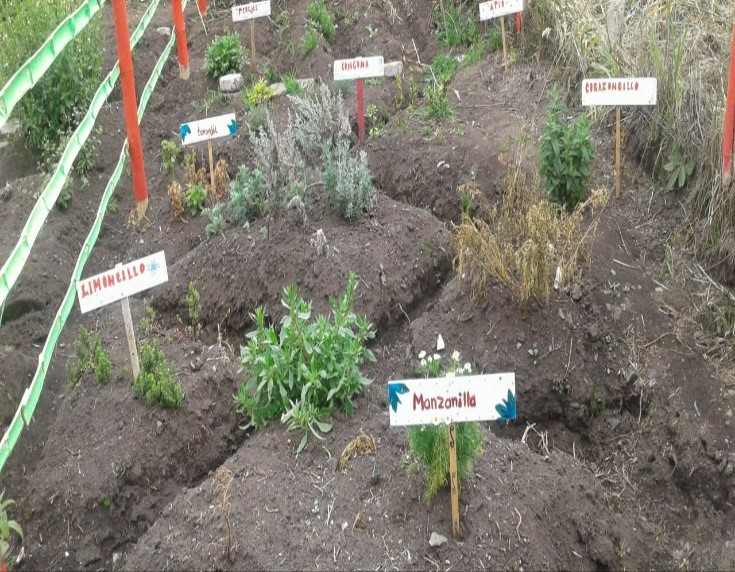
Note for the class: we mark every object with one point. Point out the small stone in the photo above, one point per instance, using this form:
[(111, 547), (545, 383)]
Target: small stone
[(393, 69), (440, 343), (278, 88), (576, 292), (164, 31), (437, 539), (230, 83), (115, 557), (593, 332)]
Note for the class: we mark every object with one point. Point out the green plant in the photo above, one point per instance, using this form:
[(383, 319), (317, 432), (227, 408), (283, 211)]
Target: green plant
[(283, 22), (429, 444), (310, 368), (444, 67), (146, 322), (533, 354), (195, 198), (90, 356), (169, 151), (216, 220), (376, 120), (291, 84), (64, 199), (565, 155), (467, 201), (113, 207), (437, 104), (248, 195), (270, 74), (348, 181), (456, 29), (106, 502), (157, 382), (224, 55), (8, 528), (561, 386), (193, 304), (212, 99), (260, 92), (257, 119), (309, 42), (679, 168), (319, 18), (372, 32)]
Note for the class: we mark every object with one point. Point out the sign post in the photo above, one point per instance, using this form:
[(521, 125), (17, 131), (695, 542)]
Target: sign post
[(357, 69), (619, 92), (206, 130), (501, 9), (120, 283), (452, 400), (728, 135), (250, 12)]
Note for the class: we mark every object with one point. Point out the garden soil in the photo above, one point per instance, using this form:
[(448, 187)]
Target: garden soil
[(622, 453)]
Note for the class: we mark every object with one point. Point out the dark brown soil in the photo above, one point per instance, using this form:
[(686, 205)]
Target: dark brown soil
[(621, 456)]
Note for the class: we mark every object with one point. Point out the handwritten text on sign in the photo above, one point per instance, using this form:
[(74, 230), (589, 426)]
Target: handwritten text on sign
[(498, 8), (358, 68), (250, 11), (122, 281), (452, 399), (210, 128), (620, 91)]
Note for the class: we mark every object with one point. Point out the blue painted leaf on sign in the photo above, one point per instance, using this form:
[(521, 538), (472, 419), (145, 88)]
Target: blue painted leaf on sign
[(507, 409), (394, 390), (232, 127), (185, 130)]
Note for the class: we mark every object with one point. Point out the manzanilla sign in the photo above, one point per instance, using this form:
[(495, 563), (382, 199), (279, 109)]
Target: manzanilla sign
[(122, 281), (452, 399)]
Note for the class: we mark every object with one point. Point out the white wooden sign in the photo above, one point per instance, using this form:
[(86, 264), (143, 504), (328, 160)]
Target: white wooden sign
[(250, 11), (498, 8), (620, 91), (207, 129), (452, 399), (122, 281), (358, 68)]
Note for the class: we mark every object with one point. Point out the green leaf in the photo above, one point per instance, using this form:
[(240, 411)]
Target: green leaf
[(303, 442), (324, 427)]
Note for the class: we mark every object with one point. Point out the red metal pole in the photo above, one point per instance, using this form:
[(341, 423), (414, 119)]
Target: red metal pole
[(729, 133), (519, 21), (202, 5), (180, 28), (360, 111), (130, 106)]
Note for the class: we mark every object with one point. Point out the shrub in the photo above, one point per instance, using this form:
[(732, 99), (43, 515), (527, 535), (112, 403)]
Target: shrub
[(565, 155), (224, 55), (320, 116), (196, 196), (90, 356), (429, 444), (307, 370), (157, 382), (257, 118), (260, 92), (319, 19), (437, 104), (169, 151), (348, 181), (216, 220), (248, 195)]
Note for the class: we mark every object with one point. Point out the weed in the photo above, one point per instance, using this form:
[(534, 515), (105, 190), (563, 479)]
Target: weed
[(8, 529), (437, 104), (257, 118), (90, 356), (224, 55), (348, 181), (64, 199), (291, 83), (429, 444), (212, 99), (248, 196), (157, 382), (319, 18), (195, 199), (106, 502), (561, 386), (283, 22), (309, 42), (597, 404), (146, 322), (467, 195), (456, 29), (216, 220), (169, 151), (376, 120), (372, 32), (176, 197), (679, 168), (193, 304), (113, 207), (444, 67), (307, 370), (260, 92), (270, 74)]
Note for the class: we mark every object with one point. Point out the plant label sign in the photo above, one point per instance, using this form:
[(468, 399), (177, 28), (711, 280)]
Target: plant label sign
[(122, 281), (359, 68), (208, 129), (250, 11), (499, 8), (620, 91), (452, 399)]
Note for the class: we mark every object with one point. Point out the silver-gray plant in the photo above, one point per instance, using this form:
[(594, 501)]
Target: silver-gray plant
[(320, 117), (348, 181)]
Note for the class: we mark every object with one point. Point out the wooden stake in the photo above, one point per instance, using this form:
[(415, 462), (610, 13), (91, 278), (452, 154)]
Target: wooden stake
[(617, 152), (252, 42), (130, 335), (211, 170), (360, 111), (505, 48), (454, 479)]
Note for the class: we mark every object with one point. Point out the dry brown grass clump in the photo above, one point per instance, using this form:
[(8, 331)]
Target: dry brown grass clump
[(176, 196), (221, 181), (524, 240), (362, 445)]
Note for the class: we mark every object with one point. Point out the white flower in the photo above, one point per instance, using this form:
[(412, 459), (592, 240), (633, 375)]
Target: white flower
[(422, 354), (449, 374), (436, 420), (437, 357), (423, 363), (455, 355), (467, 367), (430, 359)]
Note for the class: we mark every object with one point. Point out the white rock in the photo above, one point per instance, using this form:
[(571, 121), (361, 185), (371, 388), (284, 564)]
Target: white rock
[(437, 539), (278, 88), (164, 31), (440, 343), (230, 82), (393, 69)]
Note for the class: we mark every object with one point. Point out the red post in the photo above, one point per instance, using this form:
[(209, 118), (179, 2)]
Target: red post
[(519, 21), (360, 111), (130, 106), (729, 133), (202, 5), (180, 28)]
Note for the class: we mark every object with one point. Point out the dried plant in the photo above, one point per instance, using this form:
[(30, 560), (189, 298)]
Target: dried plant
[(176, 196), (221, 485), (221, 182)]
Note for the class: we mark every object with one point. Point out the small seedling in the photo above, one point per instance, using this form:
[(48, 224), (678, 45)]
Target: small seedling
[(8, 528), (467, 201), (533, 354), (195, 199), (106, 502), (561, 386), (319, 19), (146, 322), (194, 307), (283, 22), (157, 382), (169, 151), (90, 356)]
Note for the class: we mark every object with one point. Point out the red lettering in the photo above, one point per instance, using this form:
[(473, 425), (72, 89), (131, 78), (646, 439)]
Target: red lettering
[(636, 86), (96, 284), (142, 268), (85, 292), (418, 399)]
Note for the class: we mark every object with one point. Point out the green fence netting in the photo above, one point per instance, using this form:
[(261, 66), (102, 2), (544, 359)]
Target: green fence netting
[(13, 266), (33, 392), (33, 69)]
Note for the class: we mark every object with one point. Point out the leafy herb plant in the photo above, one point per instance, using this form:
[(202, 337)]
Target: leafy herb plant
[(309, 369), (224, 55), (8, 528), (157, 382), (90, 356)]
